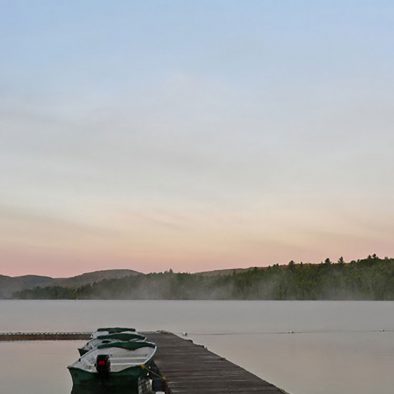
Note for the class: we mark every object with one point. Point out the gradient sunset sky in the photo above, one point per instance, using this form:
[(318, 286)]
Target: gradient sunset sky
[(194, 135)]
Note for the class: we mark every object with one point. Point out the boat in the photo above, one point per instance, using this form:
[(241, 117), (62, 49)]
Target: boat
[(111, 330), (114, 364), (110, 338)]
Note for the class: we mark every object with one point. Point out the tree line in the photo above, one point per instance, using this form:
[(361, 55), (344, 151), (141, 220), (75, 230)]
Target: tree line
[(371, 278)]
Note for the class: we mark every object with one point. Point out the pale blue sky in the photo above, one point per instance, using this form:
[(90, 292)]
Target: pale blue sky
[(194, 135)]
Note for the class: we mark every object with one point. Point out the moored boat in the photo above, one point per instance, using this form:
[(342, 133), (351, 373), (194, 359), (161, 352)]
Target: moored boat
[(114, 364), (111, 330), (110, 338)]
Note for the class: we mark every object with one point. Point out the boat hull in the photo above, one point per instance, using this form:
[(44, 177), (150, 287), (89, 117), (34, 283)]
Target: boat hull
[(128, 377)]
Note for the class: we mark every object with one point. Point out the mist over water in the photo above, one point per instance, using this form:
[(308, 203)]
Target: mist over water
[(303, 347)]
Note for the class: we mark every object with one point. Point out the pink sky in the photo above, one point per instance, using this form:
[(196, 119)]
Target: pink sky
[(185, 241)]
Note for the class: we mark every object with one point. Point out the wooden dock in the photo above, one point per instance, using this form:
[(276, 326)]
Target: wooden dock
[(185, 367), (190, 368)]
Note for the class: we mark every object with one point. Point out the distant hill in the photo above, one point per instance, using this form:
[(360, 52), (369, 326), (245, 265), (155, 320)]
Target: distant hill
[(226, 271), (95, 276), (11, 284)]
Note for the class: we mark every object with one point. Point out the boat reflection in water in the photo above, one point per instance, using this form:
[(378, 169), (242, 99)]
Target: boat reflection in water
[(101, 389)]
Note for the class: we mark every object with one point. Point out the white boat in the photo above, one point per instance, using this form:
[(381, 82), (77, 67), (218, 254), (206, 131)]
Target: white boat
[(114, 364)]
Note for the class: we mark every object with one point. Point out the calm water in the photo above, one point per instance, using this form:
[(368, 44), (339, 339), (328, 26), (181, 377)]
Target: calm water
[(303, 347)]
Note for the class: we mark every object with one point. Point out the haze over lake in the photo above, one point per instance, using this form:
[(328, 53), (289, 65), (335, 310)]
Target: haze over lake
[(303, 347)]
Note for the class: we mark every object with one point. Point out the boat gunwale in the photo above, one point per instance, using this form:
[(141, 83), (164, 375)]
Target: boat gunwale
[(94, 373)]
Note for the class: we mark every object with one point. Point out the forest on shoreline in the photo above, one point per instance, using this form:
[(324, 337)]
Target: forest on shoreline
[(371, 278)]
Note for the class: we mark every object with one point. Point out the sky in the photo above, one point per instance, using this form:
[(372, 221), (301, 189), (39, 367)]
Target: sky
[(194, 135)]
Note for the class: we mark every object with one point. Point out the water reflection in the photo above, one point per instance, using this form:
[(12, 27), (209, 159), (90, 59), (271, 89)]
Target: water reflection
[(101, 389)]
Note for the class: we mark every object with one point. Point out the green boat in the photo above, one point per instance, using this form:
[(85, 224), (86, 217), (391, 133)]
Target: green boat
[(114, 364), (111, 330), (110, 338)]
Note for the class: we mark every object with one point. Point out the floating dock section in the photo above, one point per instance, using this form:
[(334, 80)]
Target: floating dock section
[(44, 336), (183, 366)]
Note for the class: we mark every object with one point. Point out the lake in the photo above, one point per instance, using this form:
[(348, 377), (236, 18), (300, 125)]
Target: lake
[(316, 347)]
